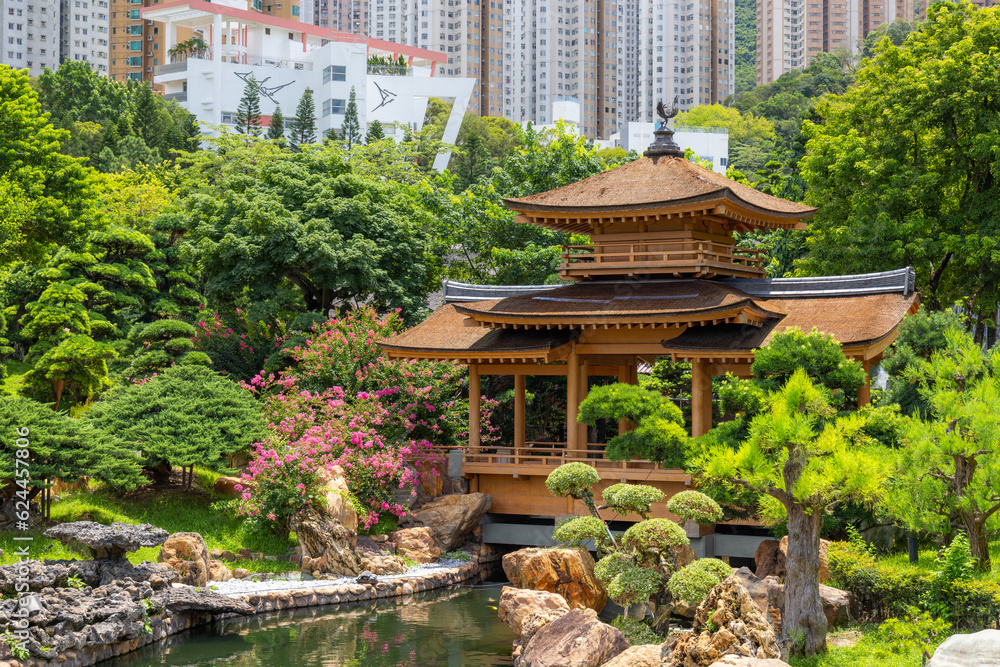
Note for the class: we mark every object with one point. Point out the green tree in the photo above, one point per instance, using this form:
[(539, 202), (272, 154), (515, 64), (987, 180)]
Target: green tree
[(185, 416), (745, 53), (902, 166), (472, 163), (743, 128), (162, 344), (60, 447), (276, 128), (350, 130), (304, 128), (375, 133), (248, 110)]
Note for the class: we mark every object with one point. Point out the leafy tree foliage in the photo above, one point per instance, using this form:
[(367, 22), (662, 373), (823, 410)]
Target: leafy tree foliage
[(350, 130), (745, 53), (185, 416), (248, 110), (902, 166)]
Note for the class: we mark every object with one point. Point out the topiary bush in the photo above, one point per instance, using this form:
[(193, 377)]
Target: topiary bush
[(632, 498), (693, 582), (695, 506), (611, 566), (158, 345), (652, 538), (636, 633), (572, 479), (579, 529), (634, 585)]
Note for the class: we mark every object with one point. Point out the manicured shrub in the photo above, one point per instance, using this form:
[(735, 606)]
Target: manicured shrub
[(634, 585), (611, 566), (161, 344), (631, 498), (695, 506), (579, 529), (653, 538), (636, 633), (571, 479), (693, 582)]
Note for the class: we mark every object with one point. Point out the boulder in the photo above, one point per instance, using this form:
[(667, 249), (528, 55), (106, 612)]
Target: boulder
[(382, 563), (836, 604), (326, 546), (728, 621), (417, 544), (980, 648), (567, 571), (112, 542), (575, 639), (644, 655), (189, 600), (755, 587), (738, 661), (517, 604), (187, 555), (770, 560), (226, 487), (334, 491), (452, 518), (218, 571)]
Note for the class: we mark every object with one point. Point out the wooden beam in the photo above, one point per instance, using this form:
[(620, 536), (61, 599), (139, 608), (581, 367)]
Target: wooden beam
[(519, 411), (701, 397), (475, 392)]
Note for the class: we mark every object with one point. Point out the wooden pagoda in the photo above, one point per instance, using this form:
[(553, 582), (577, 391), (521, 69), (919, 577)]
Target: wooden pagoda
[(661, 276)]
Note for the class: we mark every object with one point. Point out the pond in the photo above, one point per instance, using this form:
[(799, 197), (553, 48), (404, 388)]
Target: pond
[(453, 627)]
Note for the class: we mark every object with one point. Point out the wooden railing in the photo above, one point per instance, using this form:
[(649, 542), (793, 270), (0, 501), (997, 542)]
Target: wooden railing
[(551, 455), (660, 256)]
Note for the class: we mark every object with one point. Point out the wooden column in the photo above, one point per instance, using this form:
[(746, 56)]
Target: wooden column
[(519, 425), (583, 431), (701, 397), (572, 399), (475, 392), (624, 377), (865, 390)]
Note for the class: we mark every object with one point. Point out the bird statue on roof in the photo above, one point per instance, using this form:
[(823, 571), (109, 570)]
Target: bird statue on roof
[(666, 113)]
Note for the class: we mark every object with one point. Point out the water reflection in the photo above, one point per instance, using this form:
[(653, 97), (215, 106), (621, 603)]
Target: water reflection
[(449, 628)]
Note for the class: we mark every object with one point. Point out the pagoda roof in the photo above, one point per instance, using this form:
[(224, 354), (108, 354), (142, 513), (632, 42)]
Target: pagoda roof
[(655, 184)]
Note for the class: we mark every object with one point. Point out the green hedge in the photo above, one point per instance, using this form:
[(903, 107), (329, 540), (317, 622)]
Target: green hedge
[(885, 591)]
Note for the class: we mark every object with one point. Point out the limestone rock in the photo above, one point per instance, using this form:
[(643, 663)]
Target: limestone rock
[(187, 555), (644, 655), (728, 621), (686, 556), (576, 639), (980, 648), (452, 518), (770, 560), (112, 542), (738, 661), (836, 604), (218, 571), (566, 571), (189, 600), (226, 487), (755, 587), (382, 563), (417, 543), (326, 546), (337, 508), (517, 604)]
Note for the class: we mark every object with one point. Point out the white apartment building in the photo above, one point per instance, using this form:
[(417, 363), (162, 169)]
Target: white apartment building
[(84, 33), (286, 57), (29, 34)]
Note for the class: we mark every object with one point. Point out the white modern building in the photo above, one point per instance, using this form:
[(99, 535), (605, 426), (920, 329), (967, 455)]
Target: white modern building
[(29, 34), (84, 33), (708, 143), (286, 57)]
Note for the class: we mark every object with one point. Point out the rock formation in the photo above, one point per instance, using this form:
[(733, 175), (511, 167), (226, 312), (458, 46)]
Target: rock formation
[(326, 546), (335, 492), (728, 622), (517, 605), (187, 555), (112, 542), (980, 648), (566, 571), (575, 639), (644, 655), (451, 518), (770, 558), (417, 544)]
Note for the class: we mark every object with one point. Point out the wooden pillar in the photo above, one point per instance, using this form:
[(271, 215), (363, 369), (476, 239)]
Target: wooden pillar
[(582, 429), (865, 390), (624, 377), (475, 392), (701, 397), (572, 399), (519, 425)]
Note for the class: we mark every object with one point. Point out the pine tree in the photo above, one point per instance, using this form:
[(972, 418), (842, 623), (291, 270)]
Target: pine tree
[(350, 131), (375, 132), (305, 120), (248, 112), (276, 130)]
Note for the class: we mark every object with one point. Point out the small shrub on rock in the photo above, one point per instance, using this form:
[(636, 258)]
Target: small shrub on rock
[(636, 633), (695, 506), (693, 583), (634, 585)]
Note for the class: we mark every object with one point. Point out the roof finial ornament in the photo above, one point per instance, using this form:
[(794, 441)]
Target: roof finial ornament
[(664, 143)]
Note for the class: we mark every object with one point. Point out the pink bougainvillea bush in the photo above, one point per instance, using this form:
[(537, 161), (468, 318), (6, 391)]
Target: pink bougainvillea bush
[(342, 403)]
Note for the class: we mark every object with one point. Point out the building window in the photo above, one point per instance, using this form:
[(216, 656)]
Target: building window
[(334, 107), (334, 73), (135, 61), (133, 14), (135, 45), (295, 10)]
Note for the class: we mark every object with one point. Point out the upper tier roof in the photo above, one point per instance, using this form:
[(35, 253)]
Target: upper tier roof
[(658, 183)]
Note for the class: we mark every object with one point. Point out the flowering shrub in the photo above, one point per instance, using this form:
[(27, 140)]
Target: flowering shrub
[(237, 346), (693, 583), (279, 482)]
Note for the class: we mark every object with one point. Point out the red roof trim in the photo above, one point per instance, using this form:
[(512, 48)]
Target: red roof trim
[(247, 16)]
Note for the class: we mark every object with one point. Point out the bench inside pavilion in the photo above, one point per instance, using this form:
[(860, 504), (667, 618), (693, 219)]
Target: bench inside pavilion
[(662, 276)]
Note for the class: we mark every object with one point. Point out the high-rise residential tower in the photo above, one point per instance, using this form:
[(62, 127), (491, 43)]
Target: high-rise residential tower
[(29, 34)]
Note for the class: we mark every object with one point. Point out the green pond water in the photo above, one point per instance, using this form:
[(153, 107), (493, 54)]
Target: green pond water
[(453, 627)]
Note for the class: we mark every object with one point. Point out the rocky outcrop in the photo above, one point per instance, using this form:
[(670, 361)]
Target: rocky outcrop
[(381, 564), (112, 542), (57, 574), (836, 604), (567, 571), (576, 639), (980, 648), (187, 555), (326, 546), (728, 622), (335, 493), (184, 600), (644, 655), (770, 559), (756, 588), (451, 518), (218, 571), (737, 661), (417, 544), (226, 487), (518, 606)]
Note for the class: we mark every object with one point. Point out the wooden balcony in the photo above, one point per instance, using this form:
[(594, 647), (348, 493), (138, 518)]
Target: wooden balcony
[(695, 258)]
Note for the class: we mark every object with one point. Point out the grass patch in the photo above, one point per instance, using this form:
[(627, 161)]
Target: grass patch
[(871, 651), (171, 509), (926, 562), (14, 379)]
